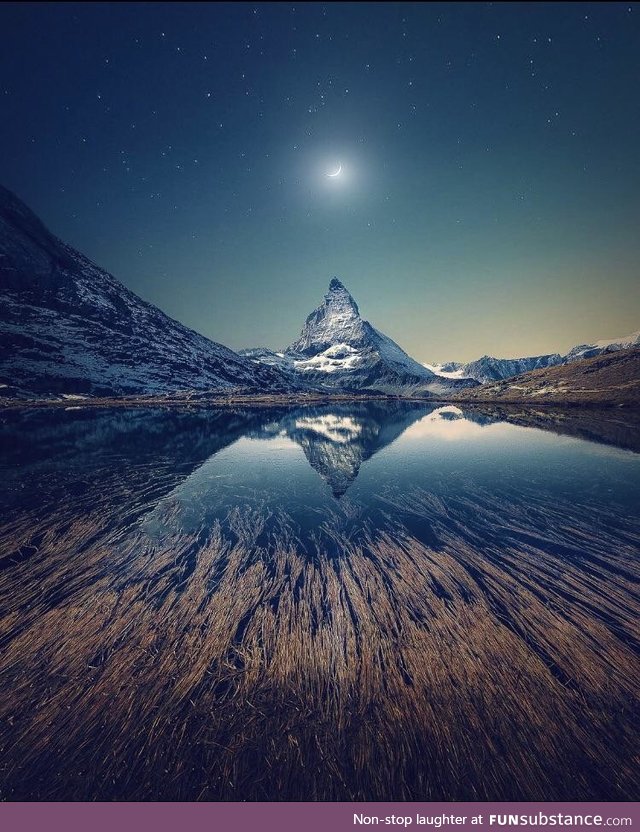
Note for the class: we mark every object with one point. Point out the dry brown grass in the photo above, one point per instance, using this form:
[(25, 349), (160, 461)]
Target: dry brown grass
[(384, 670)]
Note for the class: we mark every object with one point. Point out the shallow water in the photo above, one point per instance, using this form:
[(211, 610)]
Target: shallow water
[(379, 600)]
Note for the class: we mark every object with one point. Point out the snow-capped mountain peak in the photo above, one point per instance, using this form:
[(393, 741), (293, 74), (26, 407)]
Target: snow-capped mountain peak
[(336, 320), (336, 287), (338, 349)]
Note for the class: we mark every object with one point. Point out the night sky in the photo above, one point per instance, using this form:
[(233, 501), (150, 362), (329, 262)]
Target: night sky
[(489, 198)]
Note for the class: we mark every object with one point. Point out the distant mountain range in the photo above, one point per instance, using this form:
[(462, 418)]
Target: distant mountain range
[(338, 350), (68, 329), (607, 378), (488, 368)]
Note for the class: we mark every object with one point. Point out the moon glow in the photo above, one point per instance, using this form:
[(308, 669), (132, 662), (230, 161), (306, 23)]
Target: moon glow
[(336, 173)]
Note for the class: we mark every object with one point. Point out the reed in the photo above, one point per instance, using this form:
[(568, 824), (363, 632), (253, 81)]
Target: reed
[(499, 664)]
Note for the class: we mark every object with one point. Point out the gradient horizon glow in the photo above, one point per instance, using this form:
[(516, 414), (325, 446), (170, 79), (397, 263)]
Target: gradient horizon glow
[(489, 196)]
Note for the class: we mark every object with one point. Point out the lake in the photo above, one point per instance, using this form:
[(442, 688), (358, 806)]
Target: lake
[(376, 600)]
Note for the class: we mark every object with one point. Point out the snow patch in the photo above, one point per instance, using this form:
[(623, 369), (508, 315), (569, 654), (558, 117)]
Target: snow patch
[(437, 369), (339, 357)]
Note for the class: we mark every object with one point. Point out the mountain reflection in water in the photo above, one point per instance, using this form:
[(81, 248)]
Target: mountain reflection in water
[(365, 601)]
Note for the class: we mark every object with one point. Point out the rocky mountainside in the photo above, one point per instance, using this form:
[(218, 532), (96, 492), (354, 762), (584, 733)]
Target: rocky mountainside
[(338, 349), (608, 378), (67, 327), (488, 368)]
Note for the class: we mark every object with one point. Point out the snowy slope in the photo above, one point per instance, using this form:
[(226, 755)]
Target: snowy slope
[(68, 327), (338, 349), (598, 347), (488, 368), (450, 370)]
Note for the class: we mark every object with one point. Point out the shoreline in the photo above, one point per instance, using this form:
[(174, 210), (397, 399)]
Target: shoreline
[(278, 400)]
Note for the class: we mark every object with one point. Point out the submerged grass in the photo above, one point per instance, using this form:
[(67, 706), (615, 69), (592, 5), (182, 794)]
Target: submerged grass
[(498, 667)]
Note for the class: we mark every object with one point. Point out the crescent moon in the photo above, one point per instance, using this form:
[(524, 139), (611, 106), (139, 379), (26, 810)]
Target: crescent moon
[(337, 173)]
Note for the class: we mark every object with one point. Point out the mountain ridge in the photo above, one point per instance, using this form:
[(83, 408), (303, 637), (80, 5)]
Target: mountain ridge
[(69, 327), (489, 368), (611, 378)]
